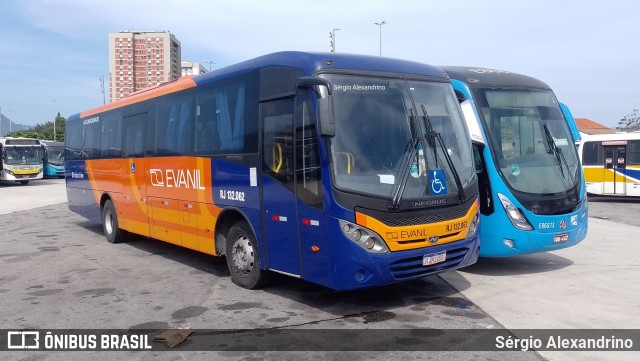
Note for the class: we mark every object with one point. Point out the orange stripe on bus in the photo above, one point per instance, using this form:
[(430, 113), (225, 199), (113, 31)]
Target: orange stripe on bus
[(181, 84)]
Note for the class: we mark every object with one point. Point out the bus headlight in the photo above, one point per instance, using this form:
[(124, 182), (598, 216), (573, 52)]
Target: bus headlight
[(515, 216), (473, 227), (364, 237)]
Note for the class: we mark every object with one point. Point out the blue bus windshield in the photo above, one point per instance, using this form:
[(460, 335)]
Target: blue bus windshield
[(381, 125), (55, 155), (529, 139)]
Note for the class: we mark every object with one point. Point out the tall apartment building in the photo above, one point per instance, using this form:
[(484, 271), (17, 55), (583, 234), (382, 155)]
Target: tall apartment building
[(141, 59)]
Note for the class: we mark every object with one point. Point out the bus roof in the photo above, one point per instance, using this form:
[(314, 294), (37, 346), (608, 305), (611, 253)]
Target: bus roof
[(19, 141), (307, 62), (612, 136), (476, 77)]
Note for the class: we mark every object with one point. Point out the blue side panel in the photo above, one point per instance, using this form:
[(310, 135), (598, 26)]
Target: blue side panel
[(280, 227), (313, 244), (571, 122), (79, 195), (232, 186)]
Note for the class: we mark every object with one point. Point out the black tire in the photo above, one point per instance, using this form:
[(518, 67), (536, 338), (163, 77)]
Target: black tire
[(24, 182), (112, 231), (242, 257)]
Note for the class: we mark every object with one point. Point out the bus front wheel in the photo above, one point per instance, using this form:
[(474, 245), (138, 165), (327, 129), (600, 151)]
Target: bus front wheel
[(242, 257), (110, 223)]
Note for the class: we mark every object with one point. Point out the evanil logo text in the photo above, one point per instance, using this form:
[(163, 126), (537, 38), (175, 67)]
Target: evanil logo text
[(176, 178)]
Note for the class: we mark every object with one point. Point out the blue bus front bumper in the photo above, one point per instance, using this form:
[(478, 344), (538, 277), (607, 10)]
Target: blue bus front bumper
[(355, 268)]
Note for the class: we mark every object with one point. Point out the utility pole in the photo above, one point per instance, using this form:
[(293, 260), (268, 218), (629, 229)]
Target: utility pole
[(380, 25), (10, 119), (332, 35), (55, 117)]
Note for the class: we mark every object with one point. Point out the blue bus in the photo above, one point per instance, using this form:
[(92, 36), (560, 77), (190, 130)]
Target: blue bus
[(532, 190), (332, 168), (53, 161)]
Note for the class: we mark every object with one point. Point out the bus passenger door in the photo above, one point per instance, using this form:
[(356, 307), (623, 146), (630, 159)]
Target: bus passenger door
[(615, 163), (133, 215), (279, 204)]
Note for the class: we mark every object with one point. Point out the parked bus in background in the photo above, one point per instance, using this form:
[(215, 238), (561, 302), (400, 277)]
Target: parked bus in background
[(611, 163), (532, 193), (53, 160), (326, 167), (21, 159)]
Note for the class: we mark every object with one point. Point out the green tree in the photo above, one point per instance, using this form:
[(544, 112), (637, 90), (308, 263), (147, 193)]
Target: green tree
[(46, 129), (29, 133)]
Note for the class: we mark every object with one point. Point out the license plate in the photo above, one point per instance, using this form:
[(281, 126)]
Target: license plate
[(561, 238), (433, 258)]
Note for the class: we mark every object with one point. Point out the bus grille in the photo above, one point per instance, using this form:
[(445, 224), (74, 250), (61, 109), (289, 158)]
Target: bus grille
[(412, 267), (426, 219)]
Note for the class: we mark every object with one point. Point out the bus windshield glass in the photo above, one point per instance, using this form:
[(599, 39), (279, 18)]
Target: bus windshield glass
[(384, 144), (530, 140), (55, 155), (21, 155)]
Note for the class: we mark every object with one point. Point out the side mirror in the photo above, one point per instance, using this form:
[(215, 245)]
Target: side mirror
[(324, 106), (325, 116), (309, 81), (477, 157)]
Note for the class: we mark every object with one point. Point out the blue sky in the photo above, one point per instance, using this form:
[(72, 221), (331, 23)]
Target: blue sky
[(587, 51)]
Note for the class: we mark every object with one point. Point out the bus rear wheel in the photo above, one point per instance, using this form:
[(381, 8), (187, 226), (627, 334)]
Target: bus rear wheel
[(243, 258), (110, 223)]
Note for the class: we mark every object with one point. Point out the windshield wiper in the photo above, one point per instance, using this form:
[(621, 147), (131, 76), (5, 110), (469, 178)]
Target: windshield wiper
[(431, 137), (557, 152), (404, 174), (431, 134), (401, 185)]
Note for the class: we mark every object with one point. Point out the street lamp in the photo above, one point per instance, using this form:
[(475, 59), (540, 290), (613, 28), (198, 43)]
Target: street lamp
[(332, 34), (55, 117), (10, 119), (210, 63), (380, 25)]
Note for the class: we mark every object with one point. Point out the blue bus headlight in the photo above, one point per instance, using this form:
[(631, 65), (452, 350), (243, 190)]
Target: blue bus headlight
[(364, 237), (515, 216)]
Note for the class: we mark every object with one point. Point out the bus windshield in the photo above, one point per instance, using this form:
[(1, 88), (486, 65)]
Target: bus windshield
[(55, 155), (20, 155), (384, 138), (529, 139)]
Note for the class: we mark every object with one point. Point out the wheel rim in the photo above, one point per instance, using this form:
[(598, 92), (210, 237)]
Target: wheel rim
[(108, 221), (242, 254)]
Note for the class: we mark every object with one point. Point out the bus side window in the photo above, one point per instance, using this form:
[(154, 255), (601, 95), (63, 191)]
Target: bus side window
[(278, 145), (633, 155), (592, 153), (207, 138)]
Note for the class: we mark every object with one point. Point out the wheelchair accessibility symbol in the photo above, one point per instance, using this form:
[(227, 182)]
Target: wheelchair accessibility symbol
[(438, 182)]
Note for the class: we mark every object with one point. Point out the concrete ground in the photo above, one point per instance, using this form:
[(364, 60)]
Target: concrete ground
[(593, 285)]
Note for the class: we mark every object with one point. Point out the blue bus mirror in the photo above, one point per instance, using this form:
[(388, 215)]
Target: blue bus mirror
[(325, 117), (310, 81), (324, 105)]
